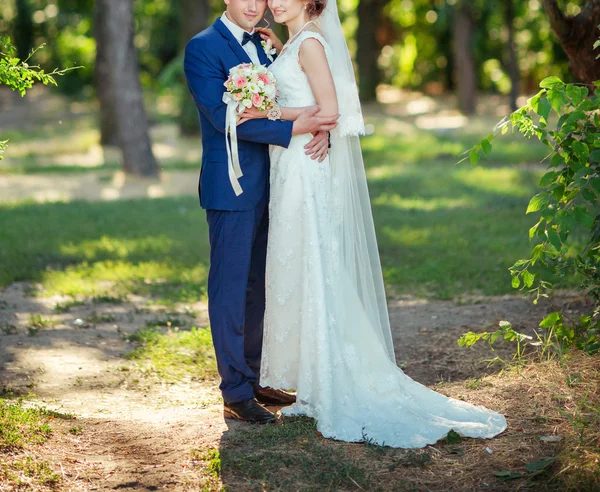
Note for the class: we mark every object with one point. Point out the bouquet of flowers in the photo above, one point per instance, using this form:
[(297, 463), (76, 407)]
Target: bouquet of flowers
[(251, 85), (247, 86)]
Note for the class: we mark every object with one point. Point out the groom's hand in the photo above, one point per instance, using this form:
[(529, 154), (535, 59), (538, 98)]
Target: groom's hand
[(309, 122), (318, 147)]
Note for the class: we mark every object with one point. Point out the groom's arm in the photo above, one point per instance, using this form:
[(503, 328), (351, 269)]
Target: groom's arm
[(205, 81)]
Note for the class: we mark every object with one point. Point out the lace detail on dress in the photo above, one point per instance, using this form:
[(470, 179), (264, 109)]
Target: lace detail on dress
[(317, 338)]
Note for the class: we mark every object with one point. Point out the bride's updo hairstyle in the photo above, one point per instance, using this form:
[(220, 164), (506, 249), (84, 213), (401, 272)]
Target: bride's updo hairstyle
[(315, 8)]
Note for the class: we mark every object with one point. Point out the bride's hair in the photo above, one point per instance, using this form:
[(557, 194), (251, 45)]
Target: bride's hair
[(315, 8)]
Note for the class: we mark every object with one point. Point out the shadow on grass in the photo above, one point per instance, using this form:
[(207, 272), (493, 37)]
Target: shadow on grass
[(151, 247), (442, 230)]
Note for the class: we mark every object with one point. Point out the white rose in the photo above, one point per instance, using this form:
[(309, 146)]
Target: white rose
[(247, 103), (252, 87)]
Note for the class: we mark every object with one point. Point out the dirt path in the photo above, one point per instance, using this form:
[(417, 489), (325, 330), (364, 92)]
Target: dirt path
[(138, 433)]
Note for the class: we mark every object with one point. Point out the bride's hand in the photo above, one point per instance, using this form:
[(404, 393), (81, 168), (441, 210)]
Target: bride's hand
[(266, 34), (251, 114)]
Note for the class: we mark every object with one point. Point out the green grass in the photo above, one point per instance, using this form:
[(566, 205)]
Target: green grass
[(443, 229), (175, 353), (20, 428), (28, 473)]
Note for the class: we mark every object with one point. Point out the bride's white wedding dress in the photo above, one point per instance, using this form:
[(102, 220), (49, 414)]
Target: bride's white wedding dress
[(318, 338)]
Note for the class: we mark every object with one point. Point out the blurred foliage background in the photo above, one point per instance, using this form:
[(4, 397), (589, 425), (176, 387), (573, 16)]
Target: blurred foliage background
[(413, 39)]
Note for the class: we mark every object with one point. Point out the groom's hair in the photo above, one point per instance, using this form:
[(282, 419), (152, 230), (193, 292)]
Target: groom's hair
[(315, 8)]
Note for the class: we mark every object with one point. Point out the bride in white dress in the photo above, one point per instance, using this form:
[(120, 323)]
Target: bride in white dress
[(327, 331)]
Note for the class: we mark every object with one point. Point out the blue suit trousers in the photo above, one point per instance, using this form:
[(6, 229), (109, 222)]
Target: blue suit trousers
[(236, 295)]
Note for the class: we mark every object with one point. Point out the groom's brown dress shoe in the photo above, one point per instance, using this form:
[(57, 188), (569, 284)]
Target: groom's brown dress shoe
[(270, 396), (249, 411)]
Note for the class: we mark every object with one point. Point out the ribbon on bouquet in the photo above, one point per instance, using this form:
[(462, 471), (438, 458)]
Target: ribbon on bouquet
[(231, 142)]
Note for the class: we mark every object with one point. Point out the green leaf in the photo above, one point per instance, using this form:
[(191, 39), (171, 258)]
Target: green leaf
[(506, 475), (576, 93), (549, 178), (551, 82), (588, 105), (595, 156), (589, 196), (554, 238), (544, 108), (557, 160), (581, 150), (470, 338), (528, 278), (534, 229), (516, 283), (539, 465), (550, 320), (536, 253), (558, 100), (453, 437), (537, 202), (583, 217), (595, 182), (474, 156), (486, 146)]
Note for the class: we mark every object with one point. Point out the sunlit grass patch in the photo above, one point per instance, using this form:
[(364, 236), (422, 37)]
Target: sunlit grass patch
[(27, 473), (150, 247), (174, 354), (22, 427)]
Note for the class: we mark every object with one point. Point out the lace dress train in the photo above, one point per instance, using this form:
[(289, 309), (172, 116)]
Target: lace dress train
[(317, 338)]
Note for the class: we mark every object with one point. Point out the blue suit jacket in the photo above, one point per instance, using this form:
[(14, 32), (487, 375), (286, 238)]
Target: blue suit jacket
[(208, 58)]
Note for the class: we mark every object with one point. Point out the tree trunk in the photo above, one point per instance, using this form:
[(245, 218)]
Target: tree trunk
[(465, 74), (513, 62), (108, 118), (195, 15), (577, 36), (370, 14), (23, 30), (123, 76)]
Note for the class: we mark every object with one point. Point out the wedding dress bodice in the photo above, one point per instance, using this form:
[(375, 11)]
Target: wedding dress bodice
[(292, 84)]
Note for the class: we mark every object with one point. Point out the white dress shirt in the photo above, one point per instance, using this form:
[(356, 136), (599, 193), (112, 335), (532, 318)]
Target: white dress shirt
[(238, 33)]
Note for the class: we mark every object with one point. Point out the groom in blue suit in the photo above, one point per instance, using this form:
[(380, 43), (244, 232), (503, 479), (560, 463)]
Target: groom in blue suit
[(238, 225)]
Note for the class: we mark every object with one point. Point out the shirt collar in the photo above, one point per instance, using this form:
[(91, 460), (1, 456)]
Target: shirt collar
[(236, 30)]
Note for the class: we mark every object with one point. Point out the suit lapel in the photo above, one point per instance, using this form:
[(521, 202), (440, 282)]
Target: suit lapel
[(262, 56), (233, 43)]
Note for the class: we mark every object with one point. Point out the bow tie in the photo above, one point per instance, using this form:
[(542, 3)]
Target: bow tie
[(255, 38)]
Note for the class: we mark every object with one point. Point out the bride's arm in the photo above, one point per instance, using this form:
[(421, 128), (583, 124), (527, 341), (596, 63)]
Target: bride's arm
[(314, 63), (287, 114)]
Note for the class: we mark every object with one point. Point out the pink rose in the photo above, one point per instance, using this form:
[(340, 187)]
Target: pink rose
[(257, 100), (238, 96), (264, 79), (239, 82)]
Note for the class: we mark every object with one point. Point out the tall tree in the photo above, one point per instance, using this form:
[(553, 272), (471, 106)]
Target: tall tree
[(513, 62), (577, 35), (122, 74), (465, 73), (23, 31), (194, 18), (108, 117), (370, 17)]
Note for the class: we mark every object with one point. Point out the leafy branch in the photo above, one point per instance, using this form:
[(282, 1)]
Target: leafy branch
[(20, 76)]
